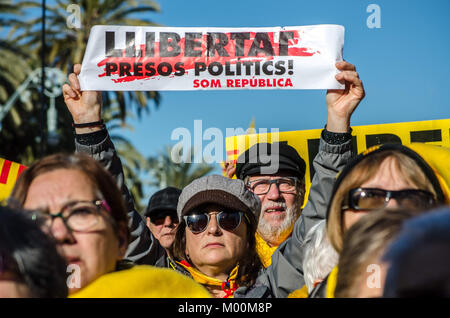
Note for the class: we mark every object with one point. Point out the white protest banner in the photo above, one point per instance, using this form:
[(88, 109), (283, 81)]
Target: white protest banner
[(127, 58)]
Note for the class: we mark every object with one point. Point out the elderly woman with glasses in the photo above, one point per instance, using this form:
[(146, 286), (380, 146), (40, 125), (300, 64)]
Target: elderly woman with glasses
[(215, 240), (413, 177), (76, 201)]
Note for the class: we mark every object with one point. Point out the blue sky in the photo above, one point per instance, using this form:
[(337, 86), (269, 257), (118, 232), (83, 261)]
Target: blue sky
[(404, 67)]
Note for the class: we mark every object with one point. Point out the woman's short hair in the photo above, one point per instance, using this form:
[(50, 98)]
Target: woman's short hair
[(31, 255), (363, 171), (102, 181)]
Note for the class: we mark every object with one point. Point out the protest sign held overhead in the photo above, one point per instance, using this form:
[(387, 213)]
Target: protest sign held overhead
[(126, 58), (306, 142)]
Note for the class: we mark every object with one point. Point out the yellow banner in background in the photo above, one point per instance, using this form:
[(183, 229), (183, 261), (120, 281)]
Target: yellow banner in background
[(306, 142), (9, 172)]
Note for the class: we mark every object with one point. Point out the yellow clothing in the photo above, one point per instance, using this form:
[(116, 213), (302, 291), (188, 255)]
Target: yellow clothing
[(229, 286), (299, 293), (331, 282), (438, 158), (264, 250), (143, 281)]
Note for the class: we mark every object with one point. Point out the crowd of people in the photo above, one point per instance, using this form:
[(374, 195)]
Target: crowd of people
[(374, 224)]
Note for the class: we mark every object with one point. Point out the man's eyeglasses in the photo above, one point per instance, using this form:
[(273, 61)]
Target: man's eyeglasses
[(373, 198), (262, 186), (78, 216), (227, 220)]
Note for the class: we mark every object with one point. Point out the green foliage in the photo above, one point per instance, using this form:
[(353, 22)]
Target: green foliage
[(20, 54), (66, 45), (166, 172)]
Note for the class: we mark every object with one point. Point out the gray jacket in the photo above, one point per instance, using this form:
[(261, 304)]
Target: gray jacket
[(285, 274), (143, 247)]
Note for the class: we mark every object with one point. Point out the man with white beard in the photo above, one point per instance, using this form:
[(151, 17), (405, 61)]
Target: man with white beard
[(282, 189), (281, 192)]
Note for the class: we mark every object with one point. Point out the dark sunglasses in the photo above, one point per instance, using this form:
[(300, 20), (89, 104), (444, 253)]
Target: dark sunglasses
[(159, 219), (373, 198), (227, 220)]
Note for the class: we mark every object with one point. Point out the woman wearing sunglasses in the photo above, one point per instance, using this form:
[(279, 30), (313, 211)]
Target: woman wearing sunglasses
[(76, 201), (414, 177), (215, 240)]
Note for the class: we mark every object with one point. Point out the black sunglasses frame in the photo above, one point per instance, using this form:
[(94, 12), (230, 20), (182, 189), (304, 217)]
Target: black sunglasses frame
[(388, 194), (39, 215), (186, 217)]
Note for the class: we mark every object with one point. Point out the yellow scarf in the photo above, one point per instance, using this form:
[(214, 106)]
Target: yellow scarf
[(331, 282), (264, 250), (299, 293), (229, 286)]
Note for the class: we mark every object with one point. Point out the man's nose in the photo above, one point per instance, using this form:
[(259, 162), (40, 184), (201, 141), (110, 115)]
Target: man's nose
[(274, 192), (168, 222)]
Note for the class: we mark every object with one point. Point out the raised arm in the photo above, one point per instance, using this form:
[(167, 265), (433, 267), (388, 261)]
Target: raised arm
[(286, 272), (85, 107), (335, 143)]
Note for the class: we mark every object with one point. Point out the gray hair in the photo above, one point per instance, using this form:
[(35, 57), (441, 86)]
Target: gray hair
[(320, 256)]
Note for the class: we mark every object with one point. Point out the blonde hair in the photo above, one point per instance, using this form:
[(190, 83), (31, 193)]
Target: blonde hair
[(364, 170)]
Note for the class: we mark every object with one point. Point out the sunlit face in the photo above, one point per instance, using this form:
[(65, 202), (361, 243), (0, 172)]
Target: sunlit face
[(279, 211), (388, 177), (11, 287), (215, 252), (163, 226), (96, 252)]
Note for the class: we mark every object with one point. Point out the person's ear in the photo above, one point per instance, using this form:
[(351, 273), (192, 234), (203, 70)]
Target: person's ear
[(301, 193), (148, 222), (317, 282)]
